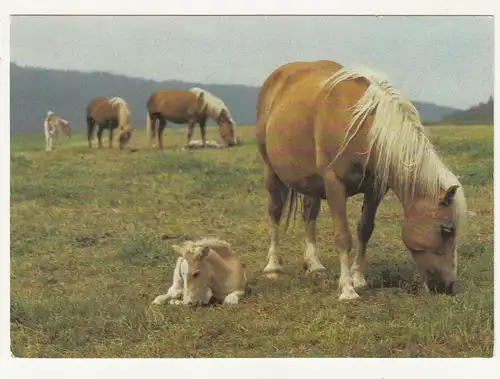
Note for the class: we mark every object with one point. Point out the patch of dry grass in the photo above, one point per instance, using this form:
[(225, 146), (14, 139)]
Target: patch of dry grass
[(91, 233)]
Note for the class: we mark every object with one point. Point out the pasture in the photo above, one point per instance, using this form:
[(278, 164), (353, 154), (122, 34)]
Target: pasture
[(90, 249)]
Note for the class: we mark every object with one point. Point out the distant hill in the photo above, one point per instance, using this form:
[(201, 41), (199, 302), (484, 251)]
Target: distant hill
[(481, 114), (34, 91)]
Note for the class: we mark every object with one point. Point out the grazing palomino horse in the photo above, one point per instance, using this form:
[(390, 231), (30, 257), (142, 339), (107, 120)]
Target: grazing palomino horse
[(329, 132), (54, 126), (109, 114), (206, 269), (193, 106)]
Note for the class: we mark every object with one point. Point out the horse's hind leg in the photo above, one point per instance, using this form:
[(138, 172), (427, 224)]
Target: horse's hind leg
[(310, 215), (277, 196), (337, 203), (90, 130), (152, 132), (111, 126), (191, 125), (48, 143), (161, 128), (99, 135), (365, 230)]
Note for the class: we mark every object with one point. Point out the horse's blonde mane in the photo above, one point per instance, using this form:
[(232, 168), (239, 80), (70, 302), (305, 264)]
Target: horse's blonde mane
[(404, 154), (213, 105), (123, 111), (210, 242)]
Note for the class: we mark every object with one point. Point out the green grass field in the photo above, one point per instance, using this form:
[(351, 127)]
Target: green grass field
[(91, 233)]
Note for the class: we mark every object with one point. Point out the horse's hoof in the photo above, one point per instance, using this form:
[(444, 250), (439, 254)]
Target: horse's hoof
[(314, 269), (359, 284), (349, 294), (159, 300), (273, 275)]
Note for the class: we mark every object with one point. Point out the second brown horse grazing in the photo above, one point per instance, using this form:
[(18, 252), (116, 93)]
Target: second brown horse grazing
[(109, 114), (191, 107), (327, 132)]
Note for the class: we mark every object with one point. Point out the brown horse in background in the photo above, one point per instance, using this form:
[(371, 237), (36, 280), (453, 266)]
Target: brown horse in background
[(327, 132), (109, 113), (191, 107)]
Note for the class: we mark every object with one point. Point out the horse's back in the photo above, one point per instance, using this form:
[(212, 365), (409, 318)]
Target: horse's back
[(302, 122), (101, 110), (237, 280), (297, 91), (170, 100), (51, 118), (50, 123), (96, 102), (227, 253), (282, 81)]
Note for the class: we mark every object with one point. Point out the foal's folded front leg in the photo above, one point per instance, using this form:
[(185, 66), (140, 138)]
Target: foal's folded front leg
[(175, 291), (234, 297)]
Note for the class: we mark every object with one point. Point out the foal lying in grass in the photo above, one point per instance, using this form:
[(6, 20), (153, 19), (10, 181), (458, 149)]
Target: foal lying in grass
[(211, 144), (206, 269)]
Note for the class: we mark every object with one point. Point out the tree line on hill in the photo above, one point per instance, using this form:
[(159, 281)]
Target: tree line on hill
[(480, 114), (34, 91)]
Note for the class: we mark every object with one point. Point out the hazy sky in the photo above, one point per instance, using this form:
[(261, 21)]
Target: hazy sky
[(447, 60)]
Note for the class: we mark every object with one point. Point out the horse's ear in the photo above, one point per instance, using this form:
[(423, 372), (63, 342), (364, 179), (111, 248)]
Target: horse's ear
[(447, 197), (203, 252)]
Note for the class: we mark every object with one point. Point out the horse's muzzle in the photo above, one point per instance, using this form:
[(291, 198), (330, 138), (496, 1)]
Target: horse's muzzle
[(442, 287), (196, 303), (233, 142)]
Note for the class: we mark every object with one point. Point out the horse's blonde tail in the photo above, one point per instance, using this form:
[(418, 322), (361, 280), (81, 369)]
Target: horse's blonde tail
[(46, 127), (148, 124)]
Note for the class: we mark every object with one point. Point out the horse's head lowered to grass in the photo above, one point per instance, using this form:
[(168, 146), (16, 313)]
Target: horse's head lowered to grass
[(215, 108), (195, 273)]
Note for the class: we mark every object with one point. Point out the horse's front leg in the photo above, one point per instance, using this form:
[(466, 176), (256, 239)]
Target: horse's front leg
[(203, 131), (365, 229), (337, 203), (191, 125), (176, 290), (99, 136), (90, 130), (48, 142), (277, 196), (111, 132), (234, 297), (161, 127), (152, 133), (310, 214)]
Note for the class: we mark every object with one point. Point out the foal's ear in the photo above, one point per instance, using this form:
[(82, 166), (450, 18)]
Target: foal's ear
[(447, 197), (178, 250), (203, 252)]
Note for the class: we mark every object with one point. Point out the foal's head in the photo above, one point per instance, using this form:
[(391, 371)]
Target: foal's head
[(195, 272), (429, 232)]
